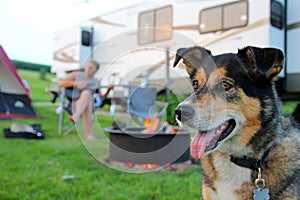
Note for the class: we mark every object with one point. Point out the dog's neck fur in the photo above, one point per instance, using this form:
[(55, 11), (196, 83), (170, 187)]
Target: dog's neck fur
[(272, 127)]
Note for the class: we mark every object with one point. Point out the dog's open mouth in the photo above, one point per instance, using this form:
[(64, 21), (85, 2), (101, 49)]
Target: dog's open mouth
[(206, 141)]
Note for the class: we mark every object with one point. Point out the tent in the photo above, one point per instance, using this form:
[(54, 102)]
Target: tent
[(14, 101)]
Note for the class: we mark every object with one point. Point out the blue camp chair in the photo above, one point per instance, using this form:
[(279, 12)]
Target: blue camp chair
[(142, 104)]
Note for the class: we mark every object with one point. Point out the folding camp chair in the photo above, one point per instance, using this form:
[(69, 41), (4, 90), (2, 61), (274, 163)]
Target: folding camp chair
[(65, 104), (142, 104), (67, 97)]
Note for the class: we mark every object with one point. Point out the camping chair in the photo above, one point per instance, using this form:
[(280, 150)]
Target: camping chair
[(142, 104), (65, 104), (66, 100)]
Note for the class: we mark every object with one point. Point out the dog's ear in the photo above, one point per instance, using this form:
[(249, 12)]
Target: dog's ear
[(192, 58), (179, 55), (262, 62)]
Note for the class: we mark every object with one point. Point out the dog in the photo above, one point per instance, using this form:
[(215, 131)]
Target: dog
[(248, 148)]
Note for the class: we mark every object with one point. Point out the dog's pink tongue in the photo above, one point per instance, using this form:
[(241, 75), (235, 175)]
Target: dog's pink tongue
[(199, 143)]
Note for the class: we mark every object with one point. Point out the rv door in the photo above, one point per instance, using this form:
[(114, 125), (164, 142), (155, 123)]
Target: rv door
[(86, 46), (293, 46)]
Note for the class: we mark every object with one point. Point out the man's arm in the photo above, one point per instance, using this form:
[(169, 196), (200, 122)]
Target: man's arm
[(68, 81)]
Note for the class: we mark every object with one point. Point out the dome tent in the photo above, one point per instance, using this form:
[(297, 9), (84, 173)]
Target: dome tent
[(14, 100)]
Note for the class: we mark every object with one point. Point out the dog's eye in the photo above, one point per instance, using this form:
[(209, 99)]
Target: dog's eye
[(195, 84), (227, 86)]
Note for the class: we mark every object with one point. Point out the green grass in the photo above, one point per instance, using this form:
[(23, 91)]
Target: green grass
[(34, 169), (288, 107), (37, 85)]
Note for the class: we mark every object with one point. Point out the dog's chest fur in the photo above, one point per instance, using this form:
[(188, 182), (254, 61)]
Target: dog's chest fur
[(226, 177)]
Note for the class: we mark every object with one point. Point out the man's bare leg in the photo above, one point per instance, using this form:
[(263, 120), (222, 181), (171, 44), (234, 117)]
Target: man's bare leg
[(81, 104), (87, 121)]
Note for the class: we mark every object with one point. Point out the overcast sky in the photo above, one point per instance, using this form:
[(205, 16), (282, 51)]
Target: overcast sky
[(27, 26)]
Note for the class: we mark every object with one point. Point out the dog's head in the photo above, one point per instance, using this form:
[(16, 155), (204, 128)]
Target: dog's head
[(232, 96)]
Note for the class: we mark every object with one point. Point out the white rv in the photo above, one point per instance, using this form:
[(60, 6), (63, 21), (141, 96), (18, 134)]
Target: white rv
[(138, 43)]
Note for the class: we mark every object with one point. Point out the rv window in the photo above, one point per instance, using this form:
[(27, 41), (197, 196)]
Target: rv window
[(146, 24), (163, 23), (211, 20), (276, 14), (155, 25), (235, 15), (85, 38), (224, 17)]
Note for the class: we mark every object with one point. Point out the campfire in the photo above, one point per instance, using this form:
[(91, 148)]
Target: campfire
[(151, 167), (149, 148)]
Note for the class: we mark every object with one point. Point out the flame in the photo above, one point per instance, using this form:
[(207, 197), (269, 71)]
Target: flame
[(145, 166), (150, 166), (147, 122), (129, 164)]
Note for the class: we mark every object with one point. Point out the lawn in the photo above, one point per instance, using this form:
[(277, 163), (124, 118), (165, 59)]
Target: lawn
[(64, 167)]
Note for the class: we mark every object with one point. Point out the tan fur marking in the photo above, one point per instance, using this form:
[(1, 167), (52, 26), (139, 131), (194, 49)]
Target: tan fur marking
[(207, 164), (246, 191), (274, 71), (189, 68), (221, 71), (205, 193), (216, 76), (250, 107), (250, 57), (201, 77), (209, 177)]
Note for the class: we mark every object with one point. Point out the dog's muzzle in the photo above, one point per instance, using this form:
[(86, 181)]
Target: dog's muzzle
[(184, 112)]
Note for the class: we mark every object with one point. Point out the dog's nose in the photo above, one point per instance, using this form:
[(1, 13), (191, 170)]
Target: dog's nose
[(184, 112)]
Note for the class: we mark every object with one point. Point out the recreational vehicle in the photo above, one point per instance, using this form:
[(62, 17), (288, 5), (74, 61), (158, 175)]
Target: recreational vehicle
[(138, 43)]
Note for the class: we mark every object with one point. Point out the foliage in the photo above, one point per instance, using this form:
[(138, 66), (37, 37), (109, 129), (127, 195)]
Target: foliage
[(31, 66), (174, 101)]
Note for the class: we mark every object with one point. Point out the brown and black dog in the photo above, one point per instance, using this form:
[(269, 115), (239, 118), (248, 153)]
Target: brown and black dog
[(247, 147)]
